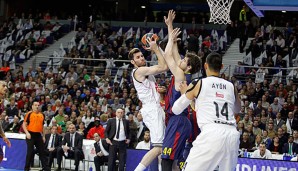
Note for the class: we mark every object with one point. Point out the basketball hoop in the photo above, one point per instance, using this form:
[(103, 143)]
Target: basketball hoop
[(220, 11)]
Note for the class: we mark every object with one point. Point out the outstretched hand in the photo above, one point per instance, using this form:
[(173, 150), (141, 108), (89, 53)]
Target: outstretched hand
[(170, 18), (152, 44), (174, 34)]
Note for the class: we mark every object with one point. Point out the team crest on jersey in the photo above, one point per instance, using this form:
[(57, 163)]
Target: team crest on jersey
[(219, 95)]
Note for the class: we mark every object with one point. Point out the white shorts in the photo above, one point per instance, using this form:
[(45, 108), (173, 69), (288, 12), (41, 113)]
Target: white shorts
[(216, 145), (154, 119)]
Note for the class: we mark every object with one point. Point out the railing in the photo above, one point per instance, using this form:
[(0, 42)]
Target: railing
[(279, 73)]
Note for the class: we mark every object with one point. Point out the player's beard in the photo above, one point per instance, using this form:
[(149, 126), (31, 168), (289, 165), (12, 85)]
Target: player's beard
[(141, 64)]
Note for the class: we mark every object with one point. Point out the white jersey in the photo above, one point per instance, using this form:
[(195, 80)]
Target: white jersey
[(215, 102), (146, 90)]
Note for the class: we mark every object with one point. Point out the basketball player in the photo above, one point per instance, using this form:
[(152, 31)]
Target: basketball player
[(152, 112), (3, 91), (179, 126), (216, 101)]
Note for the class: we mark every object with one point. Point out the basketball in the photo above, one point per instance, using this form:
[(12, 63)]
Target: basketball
[(152, 36)]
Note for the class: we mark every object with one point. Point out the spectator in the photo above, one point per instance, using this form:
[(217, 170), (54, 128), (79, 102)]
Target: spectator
[(101, 150), (281, 89), (60, 117), (11, 109), (262, 152), (246, 121), (280, 41), (96, 129), (290, 147), (275, 147), (244, 32), (251, 136), (295, 136), (257, 142), (133, 129), (98, 111), (285, 131), (82, 129), (71, 147), (256, 130), (145, 144), (267, 140), (240, 127), (87, 118), (276, 107), (118, 140), (116, 104), (265, 104), (271, 132), (291, 123), (282, 137), (104, 120), (52, 142), (259, 108), (245, 143), (278, 122), (14, 126)]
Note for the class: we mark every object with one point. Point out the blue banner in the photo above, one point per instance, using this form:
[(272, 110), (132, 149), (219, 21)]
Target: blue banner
[(15, 156), (249, 164), (284, 3), (134, 157)]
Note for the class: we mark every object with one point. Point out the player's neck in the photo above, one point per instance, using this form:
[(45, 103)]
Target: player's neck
[(216, 74)]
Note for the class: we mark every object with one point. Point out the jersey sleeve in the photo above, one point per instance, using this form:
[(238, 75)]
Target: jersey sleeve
[(26, 117)]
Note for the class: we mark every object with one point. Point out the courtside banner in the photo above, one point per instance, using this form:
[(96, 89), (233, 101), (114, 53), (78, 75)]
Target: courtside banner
[(248, 164), (15, 156), (134, 157)]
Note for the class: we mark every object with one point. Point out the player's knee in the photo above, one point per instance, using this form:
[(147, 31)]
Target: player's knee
[(157, 150)]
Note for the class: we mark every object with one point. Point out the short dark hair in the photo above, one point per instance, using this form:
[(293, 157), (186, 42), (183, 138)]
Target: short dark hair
[(263, 143), (132, 52), (214, 61), (194, 61)]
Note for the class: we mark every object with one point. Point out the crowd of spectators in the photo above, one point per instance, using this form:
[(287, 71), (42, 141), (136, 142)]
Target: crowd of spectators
[(21, 38), (270, 47), (268, 120)]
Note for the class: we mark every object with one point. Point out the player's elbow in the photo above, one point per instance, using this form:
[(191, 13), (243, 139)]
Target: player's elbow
[(176, 110), (165, 68)]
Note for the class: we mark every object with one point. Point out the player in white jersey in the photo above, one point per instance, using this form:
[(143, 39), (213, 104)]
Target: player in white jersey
[(216, 101), (153, 114)]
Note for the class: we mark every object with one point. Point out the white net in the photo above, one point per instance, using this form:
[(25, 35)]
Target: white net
[(220, 11)]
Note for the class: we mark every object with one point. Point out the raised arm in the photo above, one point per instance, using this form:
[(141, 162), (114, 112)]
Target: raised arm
[(142, 72), (176, 71), (169, 22), (185, 99)]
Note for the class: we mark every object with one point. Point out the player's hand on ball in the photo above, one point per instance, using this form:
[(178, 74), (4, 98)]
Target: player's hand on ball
[(152, 44), (183, 87)]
